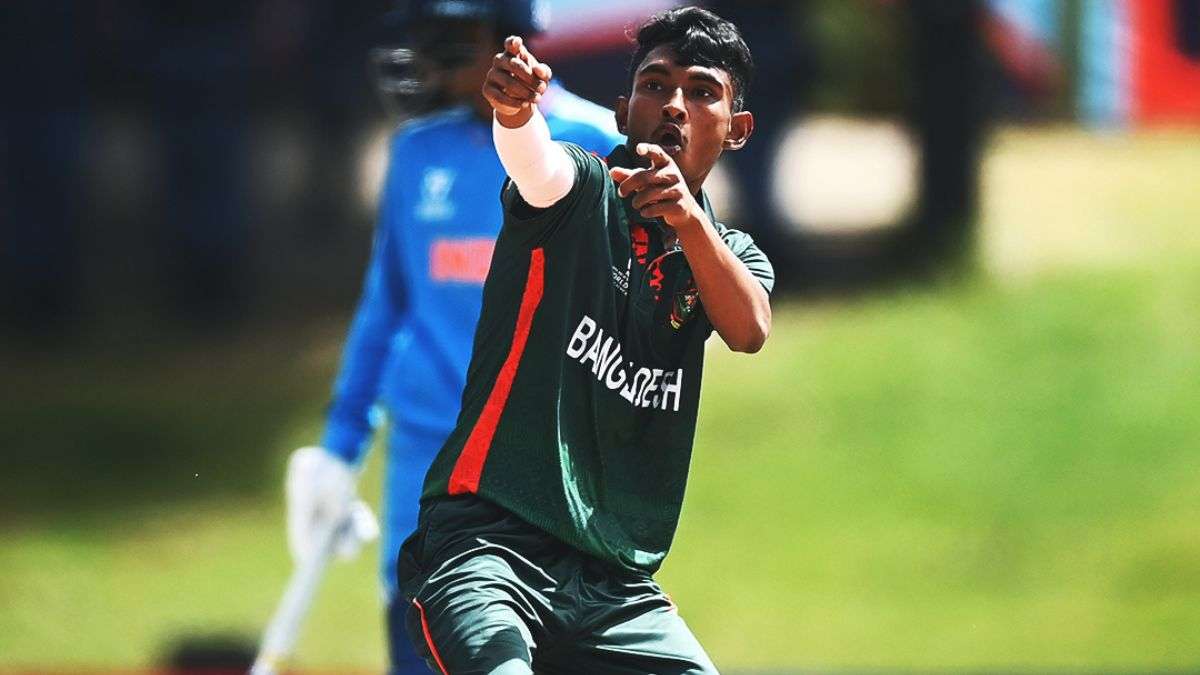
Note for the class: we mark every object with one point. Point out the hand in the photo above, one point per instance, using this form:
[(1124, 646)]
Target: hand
[(516, 80), (321, 497), (661, 191)]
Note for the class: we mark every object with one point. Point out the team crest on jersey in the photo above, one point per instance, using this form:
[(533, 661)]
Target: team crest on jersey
[(684, 305), (435, 201)]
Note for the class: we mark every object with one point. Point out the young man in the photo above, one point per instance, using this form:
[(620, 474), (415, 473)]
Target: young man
[(557, 495), (411, 338)]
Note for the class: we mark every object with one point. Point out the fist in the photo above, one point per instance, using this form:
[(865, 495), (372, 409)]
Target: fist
[(516, 79)]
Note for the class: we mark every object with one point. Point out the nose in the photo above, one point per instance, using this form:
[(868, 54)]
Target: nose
[(674, 107)]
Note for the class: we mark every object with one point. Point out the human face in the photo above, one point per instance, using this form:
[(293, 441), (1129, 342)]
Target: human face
[(457, 55), (687, 110)]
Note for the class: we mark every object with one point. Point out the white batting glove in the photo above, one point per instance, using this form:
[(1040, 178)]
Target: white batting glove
[(321, 495)]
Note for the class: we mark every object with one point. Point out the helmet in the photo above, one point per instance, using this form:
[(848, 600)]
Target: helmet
[(522, 17), (433, 29)]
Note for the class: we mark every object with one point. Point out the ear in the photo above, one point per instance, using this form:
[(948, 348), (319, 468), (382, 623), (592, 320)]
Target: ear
[(741, 125), (621, 112)]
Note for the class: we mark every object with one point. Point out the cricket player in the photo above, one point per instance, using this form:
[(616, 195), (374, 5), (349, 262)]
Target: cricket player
[(410, 340), (555, 498)]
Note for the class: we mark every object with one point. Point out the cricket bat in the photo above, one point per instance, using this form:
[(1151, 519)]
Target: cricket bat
[(284, 630)]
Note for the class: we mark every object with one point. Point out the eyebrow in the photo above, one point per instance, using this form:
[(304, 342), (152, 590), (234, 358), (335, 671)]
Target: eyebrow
[(706, 78), (659, 69), (653, 68)]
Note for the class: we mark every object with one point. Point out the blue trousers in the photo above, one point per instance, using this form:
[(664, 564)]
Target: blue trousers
[(410, 452)]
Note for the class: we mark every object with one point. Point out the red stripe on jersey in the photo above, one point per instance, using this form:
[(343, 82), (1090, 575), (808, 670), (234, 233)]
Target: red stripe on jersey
[(469, 467), (429, 638)]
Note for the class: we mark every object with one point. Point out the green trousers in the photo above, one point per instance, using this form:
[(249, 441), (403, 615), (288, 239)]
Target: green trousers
[(486, 589)]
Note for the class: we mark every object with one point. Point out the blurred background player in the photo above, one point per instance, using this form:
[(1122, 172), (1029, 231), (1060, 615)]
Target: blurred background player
[(410, 340)]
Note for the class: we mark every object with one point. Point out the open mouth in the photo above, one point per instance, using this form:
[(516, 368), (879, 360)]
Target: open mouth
[(670, 138)]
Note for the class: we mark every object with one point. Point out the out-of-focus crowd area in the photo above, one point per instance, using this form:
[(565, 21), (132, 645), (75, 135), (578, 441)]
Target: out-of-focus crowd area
[(211, 163)]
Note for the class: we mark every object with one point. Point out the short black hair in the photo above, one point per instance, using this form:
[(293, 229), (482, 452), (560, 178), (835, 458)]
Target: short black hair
[(700, 38)]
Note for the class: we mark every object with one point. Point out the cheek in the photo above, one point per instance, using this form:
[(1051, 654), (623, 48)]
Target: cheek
[(642, 108), (710, 126), (643, 116)]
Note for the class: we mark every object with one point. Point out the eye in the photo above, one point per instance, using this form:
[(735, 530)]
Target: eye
[(652, 85), (701, 92)]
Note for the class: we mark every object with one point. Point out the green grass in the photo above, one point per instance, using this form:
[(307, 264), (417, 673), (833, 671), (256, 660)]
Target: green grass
[(1003, 473), (982, 477)]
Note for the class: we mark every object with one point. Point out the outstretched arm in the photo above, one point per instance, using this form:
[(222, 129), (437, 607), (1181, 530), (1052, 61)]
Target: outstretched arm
[(540, 167), (735, 302)]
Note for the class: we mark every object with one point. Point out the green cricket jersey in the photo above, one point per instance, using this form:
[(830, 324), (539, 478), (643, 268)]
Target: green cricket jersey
[(581, 398)]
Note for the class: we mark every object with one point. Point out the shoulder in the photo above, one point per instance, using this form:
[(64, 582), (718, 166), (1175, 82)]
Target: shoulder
[(429, 127), (746, 250), (409, 156), (591, 167), (736, 240)]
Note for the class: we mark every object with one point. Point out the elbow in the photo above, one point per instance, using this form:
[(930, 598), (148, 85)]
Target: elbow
[(751, 344), (754, 346), (756, 334)]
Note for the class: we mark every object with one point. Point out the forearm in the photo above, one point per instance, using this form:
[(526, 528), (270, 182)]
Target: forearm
[(735, 302), (540, 167), (351, 420)]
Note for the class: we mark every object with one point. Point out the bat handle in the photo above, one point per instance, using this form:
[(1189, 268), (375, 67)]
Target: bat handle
[(284, 629), (266, 664)]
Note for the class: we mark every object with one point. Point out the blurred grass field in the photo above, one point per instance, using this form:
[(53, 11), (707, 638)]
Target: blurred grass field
[(1002, 473)]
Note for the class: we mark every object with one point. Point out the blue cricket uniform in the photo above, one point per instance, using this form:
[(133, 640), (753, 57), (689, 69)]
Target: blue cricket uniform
[(410, 341)]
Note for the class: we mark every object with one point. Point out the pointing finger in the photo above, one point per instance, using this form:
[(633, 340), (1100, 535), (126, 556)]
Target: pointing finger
[(657, 156), (518, 71), (630, 182), (525, 64), (514, 45), (538, 70), (621, 174)]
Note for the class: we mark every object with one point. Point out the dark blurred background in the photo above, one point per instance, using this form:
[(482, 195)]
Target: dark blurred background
[(210, 163), (187, 195)]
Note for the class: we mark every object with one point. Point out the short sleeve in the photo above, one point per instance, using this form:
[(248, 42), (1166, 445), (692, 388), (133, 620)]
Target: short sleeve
[(752, 257), (591, 176)]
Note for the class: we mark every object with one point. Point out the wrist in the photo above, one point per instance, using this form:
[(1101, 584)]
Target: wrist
[(694, 220), (519, 119), (347, 444)]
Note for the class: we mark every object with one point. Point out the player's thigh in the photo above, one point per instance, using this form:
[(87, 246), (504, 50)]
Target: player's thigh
[(473, 616), (656, 640), (403, 657)]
